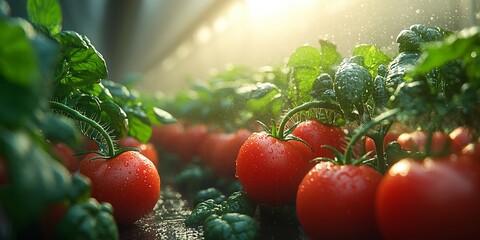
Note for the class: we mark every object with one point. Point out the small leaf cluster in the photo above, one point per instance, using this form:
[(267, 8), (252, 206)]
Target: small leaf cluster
[(237, 202)]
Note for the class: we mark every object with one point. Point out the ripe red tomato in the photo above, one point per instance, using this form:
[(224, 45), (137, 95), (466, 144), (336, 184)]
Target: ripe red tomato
[(337, 202), (433, 199), (270, 169), (146, 149), (188, 145), (129, 181), (370, 144), (225, 152), (205, 151), (416, 142), (67, 156), (165, 137), (317, 134)]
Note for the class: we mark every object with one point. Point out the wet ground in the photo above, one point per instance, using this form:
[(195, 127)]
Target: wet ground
[(168, 217), (165, 222)]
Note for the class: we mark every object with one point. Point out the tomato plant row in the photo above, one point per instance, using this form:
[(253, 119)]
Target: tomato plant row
[(366, 147), (375, 145)]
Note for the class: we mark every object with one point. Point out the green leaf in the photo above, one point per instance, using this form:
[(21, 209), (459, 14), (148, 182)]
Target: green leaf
[(232, 226), (202, 211), (329, 55), (238, 202), (121, 94), (403, 64), (19, 63), (35, 178), (209, 193), (305, 65), (304, 57), (373, 57), (161, 116), (464, 46), (24, 80), (88, 220), (115, 117), (81, 64), (352, 85), (46, 14), (257, 90), (139, 125), (58, 128), (412, 39)]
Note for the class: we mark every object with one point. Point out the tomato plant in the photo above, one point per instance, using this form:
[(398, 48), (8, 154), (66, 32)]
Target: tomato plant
[(431, 199), (270, 169), (317, 134), (337, 202), (121, 180)]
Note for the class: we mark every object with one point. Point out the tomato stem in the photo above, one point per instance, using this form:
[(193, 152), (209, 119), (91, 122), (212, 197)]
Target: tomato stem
[(362, 130), (304, 107), (378, 138), (80, 117)]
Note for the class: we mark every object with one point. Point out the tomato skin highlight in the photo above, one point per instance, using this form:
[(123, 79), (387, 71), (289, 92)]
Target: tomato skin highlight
[(433, 199), (129, 182), (337, 202), (317, 134), (270, 169), (472, 151), (461, 137)]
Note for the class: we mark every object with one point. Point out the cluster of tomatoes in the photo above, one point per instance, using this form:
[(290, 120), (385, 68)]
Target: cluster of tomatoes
[(424, 196), (434, 196), (216, 149)]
